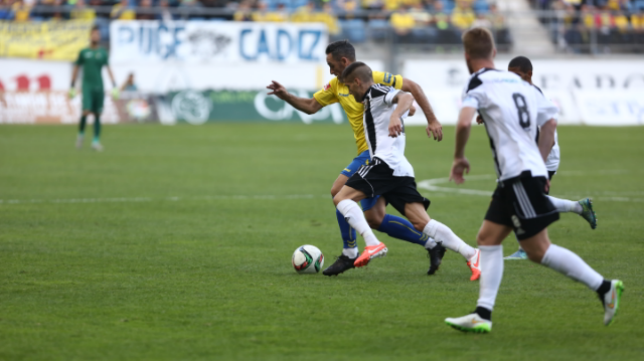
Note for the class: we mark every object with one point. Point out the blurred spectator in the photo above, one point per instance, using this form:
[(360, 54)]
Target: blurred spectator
[(5, 10), (372, 4), (190, 4), (328, 17), (309, 14), (165, 14), (129, 84), (262, 13), (482, 21), (122, 11), (441, 18), (20, 11), (58, 14), (402, 21), (243, 12), (81, 11), (421, 16), (146, 14), (499, 29), (574, 3), (392, 5), (347, 5), (463, 15), (422, 32)]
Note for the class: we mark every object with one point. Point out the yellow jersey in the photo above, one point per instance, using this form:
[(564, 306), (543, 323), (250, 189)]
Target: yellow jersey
[(335, 92)]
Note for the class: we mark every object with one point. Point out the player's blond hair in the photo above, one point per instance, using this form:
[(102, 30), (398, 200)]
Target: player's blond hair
[(478, 43)]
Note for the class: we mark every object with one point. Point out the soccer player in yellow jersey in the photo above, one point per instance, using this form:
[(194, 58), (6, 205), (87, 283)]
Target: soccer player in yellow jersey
[(339, 55)]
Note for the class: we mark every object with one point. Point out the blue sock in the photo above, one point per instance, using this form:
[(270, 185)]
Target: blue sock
[(348, 233), (402, 229)]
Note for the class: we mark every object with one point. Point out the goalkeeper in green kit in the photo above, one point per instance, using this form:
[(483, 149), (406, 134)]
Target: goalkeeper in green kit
[(92, 60)]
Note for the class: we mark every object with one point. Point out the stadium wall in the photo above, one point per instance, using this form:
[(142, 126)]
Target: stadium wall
[(590, 92)]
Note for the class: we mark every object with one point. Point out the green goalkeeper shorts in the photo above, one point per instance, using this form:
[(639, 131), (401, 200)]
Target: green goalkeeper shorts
[(93, 100)]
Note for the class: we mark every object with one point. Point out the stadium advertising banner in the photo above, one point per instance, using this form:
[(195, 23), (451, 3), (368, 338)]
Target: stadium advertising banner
[(199, 107), (592, 92), (212, 42), (54, 40)]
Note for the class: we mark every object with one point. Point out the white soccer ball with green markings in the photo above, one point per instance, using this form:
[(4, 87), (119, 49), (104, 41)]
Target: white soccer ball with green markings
[(308, 259)]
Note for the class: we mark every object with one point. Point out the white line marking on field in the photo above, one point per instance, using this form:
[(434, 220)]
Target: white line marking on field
[(432, 185), (151, 199)]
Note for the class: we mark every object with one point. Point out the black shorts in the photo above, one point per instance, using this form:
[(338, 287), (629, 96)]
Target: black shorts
[(377, 179), (521, 203)]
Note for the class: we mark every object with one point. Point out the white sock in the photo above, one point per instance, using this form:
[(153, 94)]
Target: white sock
[(444, 235), (350, 252), (354, 216), (571, 265), (564, 205), (491, 275), (431, 243)]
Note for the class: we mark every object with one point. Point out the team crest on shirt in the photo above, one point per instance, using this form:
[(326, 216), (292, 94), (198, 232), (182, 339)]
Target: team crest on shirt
[(327, 86)]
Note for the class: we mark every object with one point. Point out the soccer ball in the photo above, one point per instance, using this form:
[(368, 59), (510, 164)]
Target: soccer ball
[(307, 259)]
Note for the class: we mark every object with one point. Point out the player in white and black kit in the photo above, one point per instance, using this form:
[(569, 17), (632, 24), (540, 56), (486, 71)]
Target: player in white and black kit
[(522, 67), (512, 109), (389, 173)]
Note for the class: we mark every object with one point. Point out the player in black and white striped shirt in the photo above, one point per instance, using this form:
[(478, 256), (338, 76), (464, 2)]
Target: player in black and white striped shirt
[(522, 67), (512, 109), (389, 173)]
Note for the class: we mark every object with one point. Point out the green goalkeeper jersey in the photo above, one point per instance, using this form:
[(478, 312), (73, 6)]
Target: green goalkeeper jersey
[(92, 61)]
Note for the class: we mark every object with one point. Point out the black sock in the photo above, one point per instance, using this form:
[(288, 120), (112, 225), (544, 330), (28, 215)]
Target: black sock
[(484, 313), (97, 127), (81, 126), (605, 287)]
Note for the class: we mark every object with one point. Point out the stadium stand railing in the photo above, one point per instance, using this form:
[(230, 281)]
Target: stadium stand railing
[(575, 26)]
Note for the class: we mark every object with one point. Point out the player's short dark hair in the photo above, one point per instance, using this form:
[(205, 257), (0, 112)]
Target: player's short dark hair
[(341, 49), (94, 28), (478, 43), (524, 64), (358, 70)]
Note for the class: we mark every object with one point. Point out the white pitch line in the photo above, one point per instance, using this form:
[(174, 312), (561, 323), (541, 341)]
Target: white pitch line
[(431, 185), (150, 199)]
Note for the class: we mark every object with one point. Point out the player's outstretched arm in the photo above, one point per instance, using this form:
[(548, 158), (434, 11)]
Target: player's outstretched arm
[(547, 138), (434, 127), (404, 101), (308, 106), (461, 164)]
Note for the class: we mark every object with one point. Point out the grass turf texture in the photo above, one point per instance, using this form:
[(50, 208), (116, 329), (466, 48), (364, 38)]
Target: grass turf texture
[(207, 275)]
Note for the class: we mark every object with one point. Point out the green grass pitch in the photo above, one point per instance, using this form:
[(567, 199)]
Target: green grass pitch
[(175, 244)]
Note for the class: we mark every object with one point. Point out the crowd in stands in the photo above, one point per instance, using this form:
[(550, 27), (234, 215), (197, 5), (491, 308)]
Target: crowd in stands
[(410, 21), (603, 23)]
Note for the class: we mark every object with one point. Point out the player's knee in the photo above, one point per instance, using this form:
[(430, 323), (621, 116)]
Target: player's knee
[(335, 190), (374, 222), (337, 199), (535, 255), (419, 225)]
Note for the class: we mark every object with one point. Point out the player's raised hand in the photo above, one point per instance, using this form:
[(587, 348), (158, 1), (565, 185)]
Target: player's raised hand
[(277, 89), (435, 130), (460, 166), (395, 126)]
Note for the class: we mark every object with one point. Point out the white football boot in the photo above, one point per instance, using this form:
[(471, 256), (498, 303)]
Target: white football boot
[(470, 323)]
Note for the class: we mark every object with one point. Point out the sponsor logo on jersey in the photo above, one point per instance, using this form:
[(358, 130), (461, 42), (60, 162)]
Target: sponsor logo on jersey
[(343, 95)]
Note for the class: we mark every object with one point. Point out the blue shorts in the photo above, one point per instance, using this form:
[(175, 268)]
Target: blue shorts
[(362, 159)]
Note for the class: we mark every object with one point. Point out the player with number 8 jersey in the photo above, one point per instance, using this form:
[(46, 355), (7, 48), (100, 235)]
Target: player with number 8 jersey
[(512, 109)]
